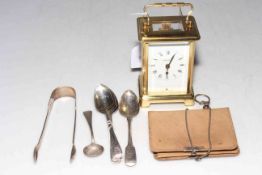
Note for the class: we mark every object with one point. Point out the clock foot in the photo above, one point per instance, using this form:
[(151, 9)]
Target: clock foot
[(144, 104), (189, 102)]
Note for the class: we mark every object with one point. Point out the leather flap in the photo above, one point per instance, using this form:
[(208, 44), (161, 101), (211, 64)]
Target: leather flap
[(168, 133)]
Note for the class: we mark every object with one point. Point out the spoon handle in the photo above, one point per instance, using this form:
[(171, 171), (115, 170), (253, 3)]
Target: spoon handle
[(88, 116), (115, 148), (130, 152)]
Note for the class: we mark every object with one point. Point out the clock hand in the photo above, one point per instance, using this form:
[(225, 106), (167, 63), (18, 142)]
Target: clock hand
[(172, 59), (168, 65)]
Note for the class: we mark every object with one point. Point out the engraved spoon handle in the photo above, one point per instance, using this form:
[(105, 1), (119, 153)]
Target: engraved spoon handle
[(130, 152), (115, 148)]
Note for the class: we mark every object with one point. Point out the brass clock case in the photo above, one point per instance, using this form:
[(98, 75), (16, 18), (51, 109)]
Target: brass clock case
[(166, 32)]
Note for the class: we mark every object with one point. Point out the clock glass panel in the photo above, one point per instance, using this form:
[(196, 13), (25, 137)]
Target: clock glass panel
[(168, 65)]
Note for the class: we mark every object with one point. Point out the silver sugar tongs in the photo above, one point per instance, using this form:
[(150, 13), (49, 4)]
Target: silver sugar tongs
[(57, 93)]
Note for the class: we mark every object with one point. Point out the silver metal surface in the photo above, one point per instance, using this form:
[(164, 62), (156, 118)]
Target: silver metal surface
[(106, 103), (129, 107), (204, 100), (93, 149), (58, 93)]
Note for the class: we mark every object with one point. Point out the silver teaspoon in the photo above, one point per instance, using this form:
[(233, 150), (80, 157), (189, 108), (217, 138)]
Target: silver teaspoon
[(129, 107), (106, 103), (93, 149)]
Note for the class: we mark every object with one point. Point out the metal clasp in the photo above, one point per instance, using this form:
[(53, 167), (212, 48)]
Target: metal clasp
[(194, 151), (205, 100)]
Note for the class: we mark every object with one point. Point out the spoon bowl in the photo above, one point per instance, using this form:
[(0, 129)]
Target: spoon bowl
[(105, 100), (129, 104), (93, 150)]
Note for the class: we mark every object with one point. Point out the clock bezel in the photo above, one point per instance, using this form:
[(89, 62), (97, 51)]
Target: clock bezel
[(145, 98), (168, 44)]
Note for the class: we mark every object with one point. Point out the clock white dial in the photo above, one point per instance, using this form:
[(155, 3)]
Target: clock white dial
[(168, 66)]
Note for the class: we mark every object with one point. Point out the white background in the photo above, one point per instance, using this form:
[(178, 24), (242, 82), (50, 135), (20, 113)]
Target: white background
[(81, 43)]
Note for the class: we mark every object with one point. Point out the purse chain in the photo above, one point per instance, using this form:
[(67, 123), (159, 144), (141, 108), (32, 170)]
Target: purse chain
[(206, 106)]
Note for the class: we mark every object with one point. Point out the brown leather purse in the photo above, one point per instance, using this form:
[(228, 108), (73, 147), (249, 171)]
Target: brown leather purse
[(184, 134)]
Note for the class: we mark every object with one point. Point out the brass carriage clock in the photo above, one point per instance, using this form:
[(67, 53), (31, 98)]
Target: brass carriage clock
[(168, 49)]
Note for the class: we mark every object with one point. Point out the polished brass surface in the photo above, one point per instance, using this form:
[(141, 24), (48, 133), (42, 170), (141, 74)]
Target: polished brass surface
[(169, 4), (190, 31), (58, 93), (166, 34), (147, 98), (146, 22)]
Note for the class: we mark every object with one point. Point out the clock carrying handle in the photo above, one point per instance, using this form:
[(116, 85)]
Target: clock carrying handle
[(169, 4)]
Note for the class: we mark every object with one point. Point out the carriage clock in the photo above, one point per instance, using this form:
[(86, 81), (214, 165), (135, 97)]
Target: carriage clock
[(167, 51)]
